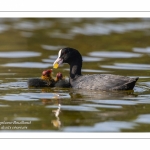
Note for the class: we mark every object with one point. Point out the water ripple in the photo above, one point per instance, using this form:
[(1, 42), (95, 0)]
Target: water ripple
[(90, 59), (30, 25), (114, 54), (4, 105), (51, 47), (26, 119), (102, 106), (145, 118), (142, 50), (109, 126), (21, 54), (114, 102), (90, 70), (28, 65), (14, 85), (59, 34), (4, 27), (48, 60), (108, 28), (74, 108), (140, 99), (34, 96), (127, 66), (147, 84)]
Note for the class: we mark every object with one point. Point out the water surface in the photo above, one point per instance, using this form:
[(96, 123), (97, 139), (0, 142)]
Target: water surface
[(108, 45)]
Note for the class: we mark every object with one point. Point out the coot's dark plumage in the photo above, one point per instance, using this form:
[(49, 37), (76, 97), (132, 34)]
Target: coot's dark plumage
[(37, 82), (104, 82)]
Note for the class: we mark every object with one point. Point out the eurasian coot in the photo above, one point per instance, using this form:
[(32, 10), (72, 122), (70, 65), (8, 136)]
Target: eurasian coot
[(104, 82)]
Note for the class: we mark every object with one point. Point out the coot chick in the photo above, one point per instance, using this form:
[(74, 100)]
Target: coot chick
[(46, 80), (60, 81), (105, 82)]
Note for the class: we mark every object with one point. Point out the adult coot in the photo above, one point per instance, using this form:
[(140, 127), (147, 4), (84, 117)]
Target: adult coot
[(104, 82)]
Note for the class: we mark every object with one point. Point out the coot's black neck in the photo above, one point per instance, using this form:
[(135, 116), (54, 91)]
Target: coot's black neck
[(75, 66)]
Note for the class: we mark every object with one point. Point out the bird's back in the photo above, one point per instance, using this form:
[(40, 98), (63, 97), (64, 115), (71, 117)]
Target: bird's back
[(104, 82)]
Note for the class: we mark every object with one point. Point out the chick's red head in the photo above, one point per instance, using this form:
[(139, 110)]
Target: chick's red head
[(47, 73), (59, 76)]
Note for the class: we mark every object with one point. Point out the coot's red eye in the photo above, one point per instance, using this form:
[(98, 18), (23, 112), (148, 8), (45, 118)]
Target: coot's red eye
[(63, 53)]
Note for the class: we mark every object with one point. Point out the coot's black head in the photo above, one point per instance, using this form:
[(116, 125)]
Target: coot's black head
[(67, 55)]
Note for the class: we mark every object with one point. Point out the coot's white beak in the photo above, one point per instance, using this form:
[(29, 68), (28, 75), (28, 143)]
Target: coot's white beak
[(58, 61)]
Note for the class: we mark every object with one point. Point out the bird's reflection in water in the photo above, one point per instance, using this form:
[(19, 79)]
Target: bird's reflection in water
[(82, 96), (100, 95), (56, 123), (56, 99)]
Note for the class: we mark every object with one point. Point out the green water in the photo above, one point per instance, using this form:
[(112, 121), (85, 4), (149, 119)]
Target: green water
[(108, 45)]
